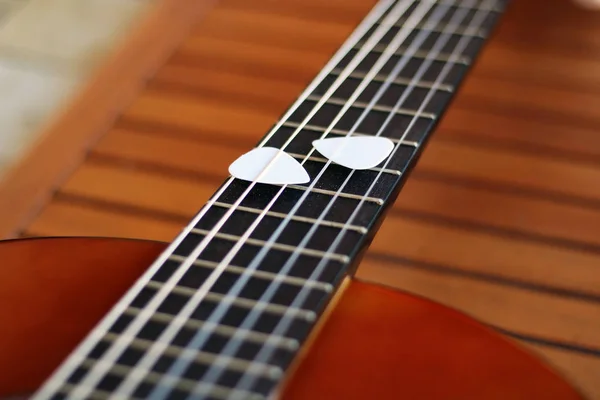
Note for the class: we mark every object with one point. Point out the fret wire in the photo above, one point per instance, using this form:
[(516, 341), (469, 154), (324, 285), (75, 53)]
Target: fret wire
[(247, 380), (398, 80), (309, 189), (212, 374), (378, 107), (219, 311), (489, 6), (54, 382), (224, 330), (423, 54), (458, 30), (333, 224), (325, 287), (346, 133)]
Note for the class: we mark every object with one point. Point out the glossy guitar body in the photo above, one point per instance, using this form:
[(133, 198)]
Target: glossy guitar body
[(377, 343)]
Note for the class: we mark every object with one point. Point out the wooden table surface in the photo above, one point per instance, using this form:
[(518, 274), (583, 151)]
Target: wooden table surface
[(500, 219)]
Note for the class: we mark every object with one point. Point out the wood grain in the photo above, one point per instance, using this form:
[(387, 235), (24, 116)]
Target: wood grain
[(500, 219)]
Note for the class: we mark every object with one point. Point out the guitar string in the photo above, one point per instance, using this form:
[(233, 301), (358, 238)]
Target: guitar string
[(54, 382), (95, 373), (246, 383), (156, 348), (202, 336), (214, 372)]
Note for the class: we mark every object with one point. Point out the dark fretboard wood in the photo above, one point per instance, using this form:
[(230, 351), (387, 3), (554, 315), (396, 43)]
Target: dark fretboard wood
[(223, 312)]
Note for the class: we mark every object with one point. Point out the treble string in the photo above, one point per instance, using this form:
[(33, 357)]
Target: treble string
[(232, 346), (265, 353), (155, 350)]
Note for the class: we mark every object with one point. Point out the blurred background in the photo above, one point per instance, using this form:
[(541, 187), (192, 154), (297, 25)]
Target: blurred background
[(120, 117)]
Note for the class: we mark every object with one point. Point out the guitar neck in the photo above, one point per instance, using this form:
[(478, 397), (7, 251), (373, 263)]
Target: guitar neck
[(224, 311)]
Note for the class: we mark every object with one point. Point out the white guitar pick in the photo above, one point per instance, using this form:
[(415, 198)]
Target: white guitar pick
[(283, 170), (355, 152)]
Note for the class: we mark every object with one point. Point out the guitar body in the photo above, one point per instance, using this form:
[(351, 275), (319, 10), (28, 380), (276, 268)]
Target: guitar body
[(376, 343)]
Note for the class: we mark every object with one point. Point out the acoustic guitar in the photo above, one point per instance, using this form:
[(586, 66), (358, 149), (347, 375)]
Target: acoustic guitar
[(255, 299)]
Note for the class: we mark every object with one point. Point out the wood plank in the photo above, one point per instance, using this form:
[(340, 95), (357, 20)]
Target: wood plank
[(285, 31), (504, 129), (199, 114), (68, 218), (501, 60), (131, 187), (513, 309), (244, 89), (345, 11), (257, 59), (487, 254), (526, 171), (579, 107), (29, 184), (141, 147), (577, 38)]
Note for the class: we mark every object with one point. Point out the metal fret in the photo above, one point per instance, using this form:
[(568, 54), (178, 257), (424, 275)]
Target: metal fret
[(355, 228), (224, 330), (377, 107), (454, 29), (242, 302), (424, 55), (205, 358), (325, 287), (333, 193), (345, 133), (277, 246), (399, 81), (489, 6)]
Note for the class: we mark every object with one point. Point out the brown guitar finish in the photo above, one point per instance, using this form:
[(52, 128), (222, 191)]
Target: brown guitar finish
[(376, 344)]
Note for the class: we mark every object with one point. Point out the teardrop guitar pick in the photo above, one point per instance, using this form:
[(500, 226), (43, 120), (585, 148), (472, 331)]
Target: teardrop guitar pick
[(355, 152), (284, 170)]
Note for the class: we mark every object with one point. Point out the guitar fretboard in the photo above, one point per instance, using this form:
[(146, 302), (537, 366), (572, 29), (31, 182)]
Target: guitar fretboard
[(223, 312)]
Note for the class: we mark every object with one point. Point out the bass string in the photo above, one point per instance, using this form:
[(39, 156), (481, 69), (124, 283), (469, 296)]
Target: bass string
[(265, 353), (99, 369)]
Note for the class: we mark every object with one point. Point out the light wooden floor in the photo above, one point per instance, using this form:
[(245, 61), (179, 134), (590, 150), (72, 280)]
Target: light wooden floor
[(500, 219), (48, 49)]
